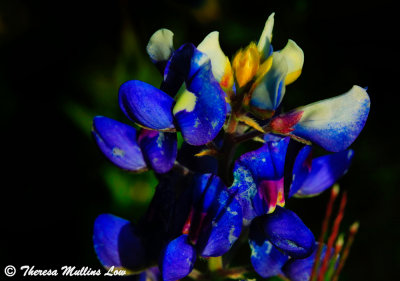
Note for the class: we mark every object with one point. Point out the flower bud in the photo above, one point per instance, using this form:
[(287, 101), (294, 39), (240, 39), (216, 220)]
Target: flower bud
[(245, 64)]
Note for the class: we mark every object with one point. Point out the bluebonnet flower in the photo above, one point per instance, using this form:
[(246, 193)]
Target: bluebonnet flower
[(199, 111), (194, 214), (135, 247), (276, 263), (259, 187), (213, 225), (200, 218), (261, 77), (319, 265), (134, 151)]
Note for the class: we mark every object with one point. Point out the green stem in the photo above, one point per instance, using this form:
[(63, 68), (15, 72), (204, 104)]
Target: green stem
[(215, 263), (252, 134)]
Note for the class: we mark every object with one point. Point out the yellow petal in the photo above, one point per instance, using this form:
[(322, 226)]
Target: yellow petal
[(245, 64)]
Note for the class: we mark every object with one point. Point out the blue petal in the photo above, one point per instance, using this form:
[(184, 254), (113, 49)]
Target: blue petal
[(159, 148), (117, 243), (218, 236), (200, 111), (336, 122), (270, 91), (301, 169), (265, 164), (325, 171), (285, 230), (206, 190), (168, 210), (266, 259), (117, 141), (300, 269), (177, 259), (245, 188), (177, 69), (146, 105)]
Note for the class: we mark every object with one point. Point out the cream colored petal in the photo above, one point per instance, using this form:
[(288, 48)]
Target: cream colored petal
[(160, 46), (294, 56), (264, 43), (211, 47)]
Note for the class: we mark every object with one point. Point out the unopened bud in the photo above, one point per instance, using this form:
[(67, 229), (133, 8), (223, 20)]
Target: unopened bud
[(354, 227), (245, 64)]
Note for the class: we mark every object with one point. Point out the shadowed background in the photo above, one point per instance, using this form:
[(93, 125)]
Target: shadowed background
[(61, 63)]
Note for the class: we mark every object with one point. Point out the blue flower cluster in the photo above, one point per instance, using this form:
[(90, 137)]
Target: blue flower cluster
[(200, 208)]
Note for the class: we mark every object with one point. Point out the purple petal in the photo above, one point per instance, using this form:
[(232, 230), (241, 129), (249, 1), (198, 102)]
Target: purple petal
[(301, 169), (336, 122), (285, 230), (207, 188), (117, 243), (266, 259), (263, 165), (177, 259), (245, 188), (224, 229), (200, 110), (177, 69), (267, 162), (146, 105), (300, 269), (325, 171), (159, 148), (118, 143)]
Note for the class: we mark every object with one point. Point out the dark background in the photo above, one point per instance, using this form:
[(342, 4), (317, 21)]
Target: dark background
[(61, 63)]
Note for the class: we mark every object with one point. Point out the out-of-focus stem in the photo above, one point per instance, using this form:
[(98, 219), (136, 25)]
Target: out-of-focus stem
[(353, 231), (334, 193), (283, 277), (333, 236), (196, 275), (334, 259)]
